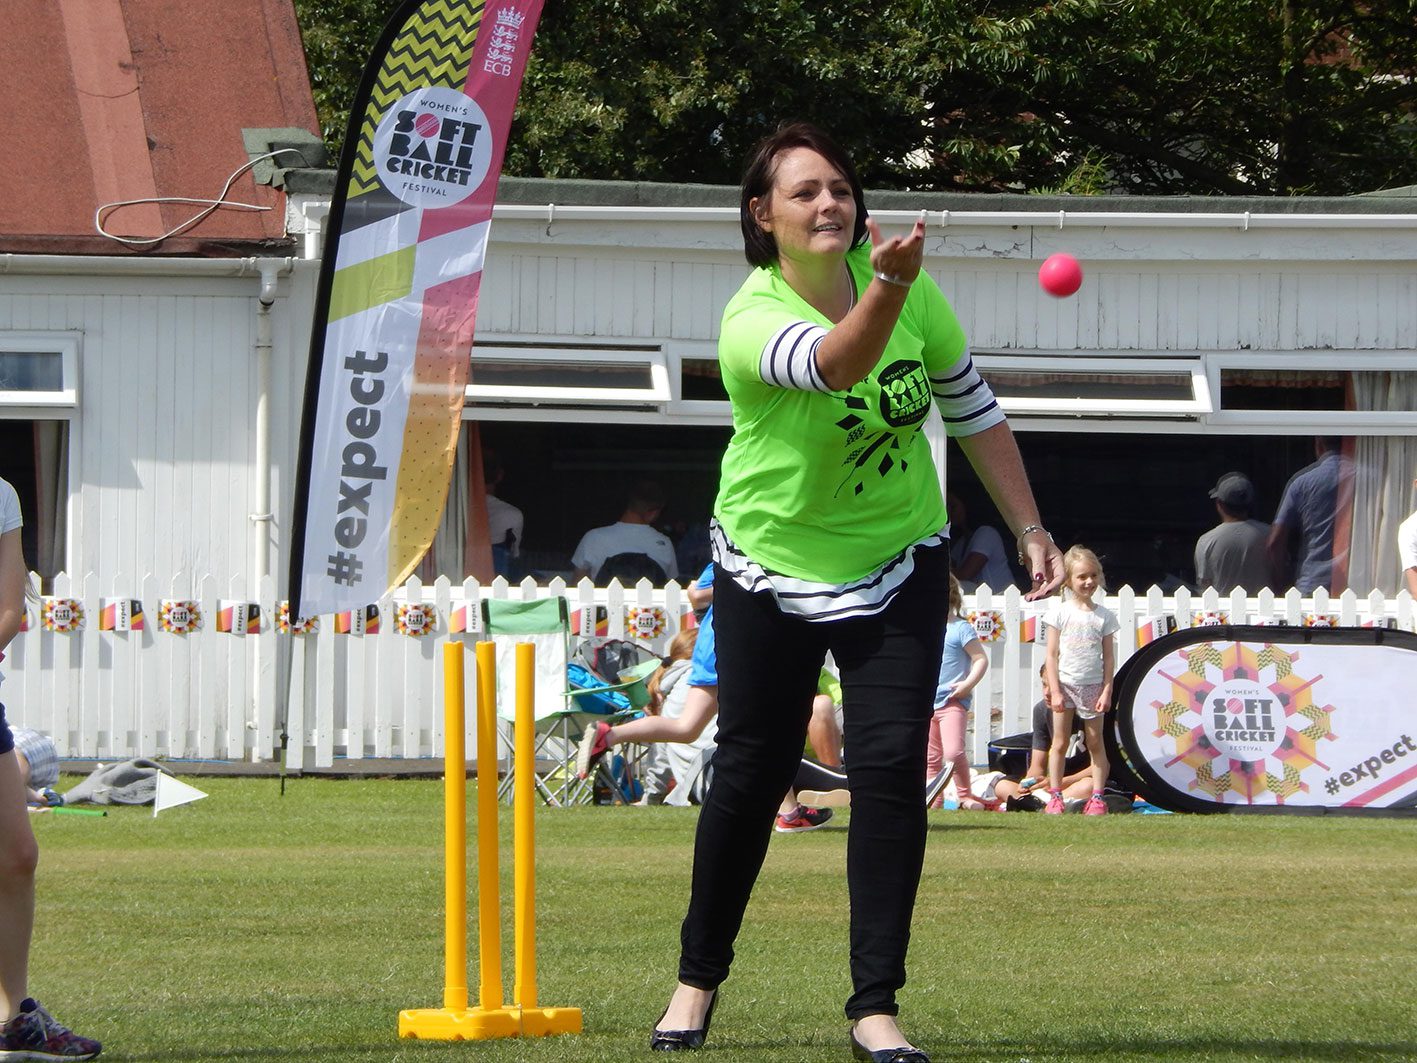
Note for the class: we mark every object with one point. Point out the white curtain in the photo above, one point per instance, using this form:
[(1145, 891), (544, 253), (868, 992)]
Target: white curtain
[(1382, 495)]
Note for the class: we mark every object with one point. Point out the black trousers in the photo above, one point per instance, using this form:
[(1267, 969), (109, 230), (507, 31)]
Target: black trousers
[(768, 664)]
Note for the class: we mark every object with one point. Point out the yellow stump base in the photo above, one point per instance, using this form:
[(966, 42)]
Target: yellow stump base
[(481, 1024)]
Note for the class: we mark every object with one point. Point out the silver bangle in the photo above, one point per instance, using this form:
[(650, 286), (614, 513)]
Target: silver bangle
[(899, 282), (1029, 530)]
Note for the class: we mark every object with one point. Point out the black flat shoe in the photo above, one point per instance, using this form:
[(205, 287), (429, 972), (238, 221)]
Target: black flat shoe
[(903, 1054), (683, 1040)]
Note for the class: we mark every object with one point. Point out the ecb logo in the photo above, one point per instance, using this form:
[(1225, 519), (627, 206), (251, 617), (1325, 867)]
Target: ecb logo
[(1244, 720), (433, 148)]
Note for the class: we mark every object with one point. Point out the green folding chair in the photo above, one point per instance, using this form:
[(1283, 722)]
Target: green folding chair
[(560, 720)]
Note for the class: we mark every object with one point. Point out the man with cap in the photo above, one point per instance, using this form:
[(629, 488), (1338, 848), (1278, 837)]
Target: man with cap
[(1233, 554)]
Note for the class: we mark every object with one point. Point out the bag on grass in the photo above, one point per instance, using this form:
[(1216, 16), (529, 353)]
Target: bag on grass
[(133, 782)]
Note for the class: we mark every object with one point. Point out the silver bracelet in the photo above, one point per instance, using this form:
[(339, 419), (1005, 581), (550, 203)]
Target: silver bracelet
[(899, 282), (1029, 530)]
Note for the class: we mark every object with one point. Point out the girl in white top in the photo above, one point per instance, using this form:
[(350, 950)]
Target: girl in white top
[(1082, 657)]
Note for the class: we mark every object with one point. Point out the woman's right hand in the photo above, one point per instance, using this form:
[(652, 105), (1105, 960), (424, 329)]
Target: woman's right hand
[(899, 257)]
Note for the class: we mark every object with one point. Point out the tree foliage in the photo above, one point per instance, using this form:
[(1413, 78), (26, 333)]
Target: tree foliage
[(1148, 96)]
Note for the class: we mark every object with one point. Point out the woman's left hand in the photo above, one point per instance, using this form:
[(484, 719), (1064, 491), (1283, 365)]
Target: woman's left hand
[(1044, 562), (899, 257)]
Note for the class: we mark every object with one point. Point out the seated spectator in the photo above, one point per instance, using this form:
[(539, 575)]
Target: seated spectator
[(1233, 553), (631, 547), (504, 521), (675, 765), (686, 723), (1077, 765), (39, 766), (1027, 792), (692, 549), (977, 555)]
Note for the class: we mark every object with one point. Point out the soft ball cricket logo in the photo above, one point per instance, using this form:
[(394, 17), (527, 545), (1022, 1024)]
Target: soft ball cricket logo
[(905, 393), (433, 147), (1244, 720)]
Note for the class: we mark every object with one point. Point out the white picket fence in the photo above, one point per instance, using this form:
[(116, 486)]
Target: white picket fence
[(210, 695)]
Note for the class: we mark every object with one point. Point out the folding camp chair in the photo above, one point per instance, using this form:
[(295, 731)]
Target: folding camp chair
[(560, 717)]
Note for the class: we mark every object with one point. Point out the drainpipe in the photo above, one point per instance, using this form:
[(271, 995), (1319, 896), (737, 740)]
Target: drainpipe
[(261, 519)]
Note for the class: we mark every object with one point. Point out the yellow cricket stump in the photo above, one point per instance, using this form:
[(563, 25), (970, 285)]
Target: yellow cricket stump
[(455, 1021)]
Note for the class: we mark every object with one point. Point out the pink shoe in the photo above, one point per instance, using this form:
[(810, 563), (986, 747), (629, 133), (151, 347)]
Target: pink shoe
[(1095, 806), (1055, 804), (593, 746)]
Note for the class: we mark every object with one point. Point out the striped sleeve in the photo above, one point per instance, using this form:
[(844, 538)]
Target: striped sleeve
[(789, 358), (965, 402)]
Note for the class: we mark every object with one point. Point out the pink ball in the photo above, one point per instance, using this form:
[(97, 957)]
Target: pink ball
[(1060, 275), (426, 125)]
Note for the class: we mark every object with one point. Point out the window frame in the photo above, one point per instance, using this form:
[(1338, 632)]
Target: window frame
[(1132, 364), (61, 404), (551, 351), (1376, 422)]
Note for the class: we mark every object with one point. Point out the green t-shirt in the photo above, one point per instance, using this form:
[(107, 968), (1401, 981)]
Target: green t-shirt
[(830, 486)]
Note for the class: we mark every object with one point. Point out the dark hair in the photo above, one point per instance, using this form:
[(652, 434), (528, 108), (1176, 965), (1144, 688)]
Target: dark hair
[(759, 246), (644, 495)]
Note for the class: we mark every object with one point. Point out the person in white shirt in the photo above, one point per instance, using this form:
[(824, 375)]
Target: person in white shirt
[(977, 555), (1080, 667), (504, 520), (634, 533), (1407, 550)]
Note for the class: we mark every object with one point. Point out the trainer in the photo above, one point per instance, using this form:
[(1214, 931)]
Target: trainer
[(830, 533)]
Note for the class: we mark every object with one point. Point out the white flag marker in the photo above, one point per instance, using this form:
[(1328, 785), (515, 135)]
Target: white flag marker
[(173, 792)]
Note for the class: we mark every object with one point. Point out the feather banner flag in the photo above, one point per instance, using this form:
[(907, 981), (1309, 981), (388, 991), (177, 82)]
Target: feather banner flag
[(392, 338)]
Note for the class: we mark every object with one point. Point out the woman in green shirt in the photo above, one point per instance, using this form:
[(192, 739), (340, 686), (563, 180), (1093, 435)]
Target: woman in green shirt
[(830, 534)]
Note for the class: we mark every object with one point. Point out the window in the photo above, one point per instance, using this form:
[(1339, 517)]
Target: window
[(1133, 385), (567, 373), (39, 369), (1362, 392)]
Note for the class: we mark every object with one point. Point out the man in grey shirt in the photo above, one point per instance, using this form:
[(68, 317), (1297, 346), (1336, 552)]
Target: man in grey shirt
[(1233, 554)]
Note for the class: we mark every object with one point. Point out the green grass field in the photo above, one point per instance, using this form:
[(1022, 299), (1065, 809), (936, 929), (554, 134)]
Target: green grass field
[(254, 927)]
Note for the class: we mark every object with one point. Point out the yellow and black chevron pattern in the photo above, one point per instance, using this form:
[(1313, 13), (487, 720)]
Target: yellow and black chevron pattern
[(433, 48)]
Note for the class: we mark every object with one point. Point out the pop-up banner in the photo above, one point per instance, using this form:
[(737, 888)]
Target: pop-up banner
[(391, 341), (1228, 718)]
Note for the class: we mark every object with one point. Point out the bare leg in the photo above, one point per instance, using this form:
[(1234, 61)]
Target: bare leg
[(823, 731), (19, 855), (1097, 749), (1058, 750)]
